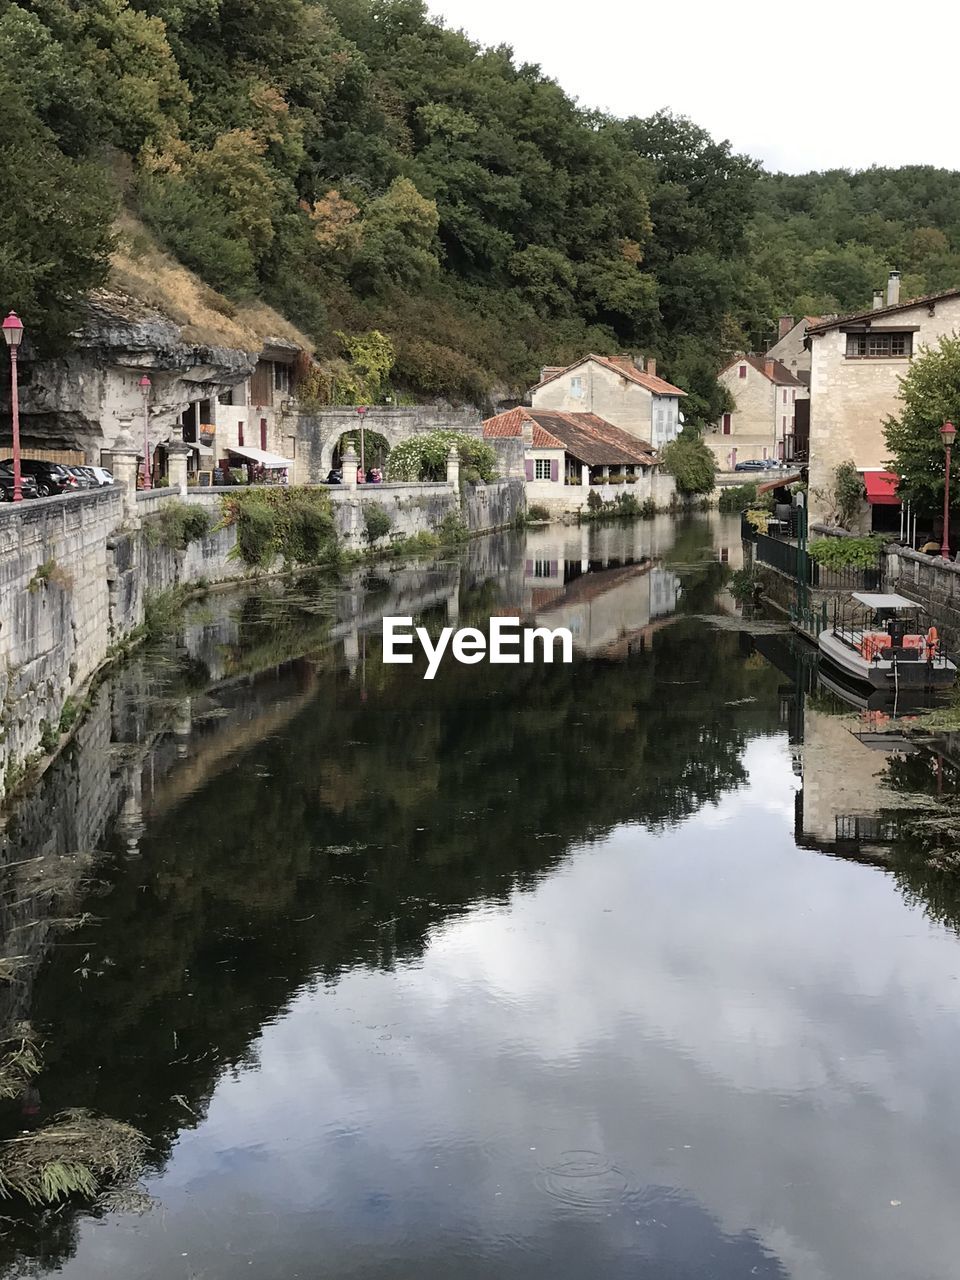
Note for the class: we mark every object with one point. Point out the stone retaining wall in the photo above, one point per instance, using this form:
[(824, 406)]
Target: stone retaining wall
[(932, 582), (54, 612)]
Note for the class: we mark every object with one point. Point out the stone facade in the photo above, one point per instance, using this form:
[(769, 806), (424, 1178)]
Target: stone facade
[(595, 386), (791, 348), (851, 397), (932, 582), (318, 432), (765, 397)]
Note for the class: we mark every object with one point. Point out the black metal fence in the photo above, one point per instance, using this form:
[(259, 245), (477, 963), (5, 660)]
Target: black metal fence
[(797, 564)]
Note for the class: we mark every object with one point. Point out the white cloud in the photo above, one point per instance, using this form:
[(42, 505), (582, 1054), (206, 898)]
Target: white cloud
[(800, 89)]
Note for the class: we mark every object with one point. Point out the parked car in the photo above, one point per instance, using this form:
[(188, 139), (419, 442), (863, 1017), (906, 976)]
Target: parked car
[(84, 478), (335, 476), (51, 477), (28, 486), (751, 464), (100, 474)]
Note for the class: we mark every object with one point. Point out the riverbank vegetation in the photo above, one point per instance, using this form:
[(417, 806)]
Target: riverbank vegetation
[(295, 524)]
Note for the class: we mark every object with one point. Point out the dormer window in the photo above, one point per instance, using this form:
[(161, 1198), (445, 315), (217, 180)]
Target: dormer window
[(576, 386), (879, 346), (743, 371)]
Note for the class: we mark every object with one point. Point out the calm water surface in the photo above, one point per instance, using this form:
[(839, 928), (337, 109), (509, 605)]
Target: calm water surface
[(617, 969)]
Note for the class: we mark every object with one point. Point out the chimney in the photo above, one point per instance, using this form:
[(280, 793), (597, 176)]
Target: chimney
[(877, 299), (652, 367), (786, 324), (893, 289), (768, 367)]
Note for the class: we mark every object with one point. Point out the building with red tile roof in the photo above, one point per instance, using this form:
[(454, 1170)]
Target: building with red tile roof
[(626, 392), (566, 454)]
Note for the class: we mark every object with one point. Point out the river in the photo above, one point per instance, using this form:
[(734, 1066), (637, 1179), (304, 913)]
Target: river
[(616, 969)]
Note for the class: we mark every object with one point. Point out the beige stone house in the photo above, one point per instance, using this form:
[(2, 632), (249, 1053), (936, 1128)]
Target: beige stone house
[(791, 348), (857, 362), (765, 395), (622, 391), (568, 454), (254, 418)]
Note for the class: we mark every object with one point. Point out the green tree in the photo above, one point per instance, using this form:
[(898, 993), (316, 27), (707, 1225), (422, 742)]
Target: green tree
[(691, 464), (55, 225), (930, 391)]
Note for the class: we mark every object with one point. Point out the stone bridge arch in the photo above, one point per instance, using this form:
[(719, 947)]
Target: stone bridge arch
[(319, 433)]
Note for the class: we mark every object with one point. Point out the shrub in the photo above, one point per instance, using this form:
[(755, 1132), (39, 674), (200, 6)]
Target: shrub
[(627, 505), (846, 553), (648, 508), (294, 523), (537, 512), (594, 501), (452, 529), (849, 491), (425, 457), (376, 521), (691, 464), (758, 518), (738, 497), (178, 524)]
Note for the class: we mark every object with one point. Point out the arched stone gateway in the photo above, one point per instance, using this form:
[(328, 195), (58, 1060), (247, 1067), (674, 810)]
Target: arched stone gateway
[(376, 447), (319, 433)]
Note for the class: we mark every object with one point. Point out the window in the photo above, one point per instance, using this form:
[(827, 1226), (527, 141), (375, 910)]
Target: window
[(743, 371), (726, 424), (240, 434), (879, 346), (794, 397), (784, 395), (576, 387), (281, 377), (541, 469), (541, 569), (784, 421)]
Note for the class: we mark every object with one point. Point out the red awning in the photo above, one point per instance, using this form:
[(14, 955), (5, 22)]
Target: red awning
[(882, 488)]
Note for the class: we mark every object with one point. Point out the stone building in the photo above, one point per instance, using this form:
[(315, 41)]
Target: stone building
[(618, 389), (857, 362), (765, 395), (566, 455), (791, 349)]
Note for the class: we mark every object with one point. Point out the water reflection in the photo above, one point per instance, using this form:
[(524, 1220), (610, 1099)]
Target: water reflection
[(521, 974)]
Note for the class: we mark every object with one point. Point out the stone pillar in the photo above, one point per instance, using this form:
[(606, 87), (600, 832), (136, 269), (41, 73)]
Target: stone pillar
[(177, 455), (349, 463), (453, 468), (123, 460)]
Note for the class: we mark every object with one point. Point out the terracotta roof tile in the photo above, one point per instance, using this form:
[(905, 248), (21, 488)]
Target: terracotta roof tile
[(781, 374), (623, 366), (588, 438)]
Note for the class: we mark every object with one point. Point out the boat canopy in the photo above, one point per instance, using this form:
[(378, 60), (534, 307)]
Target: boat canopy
[(879, 600)]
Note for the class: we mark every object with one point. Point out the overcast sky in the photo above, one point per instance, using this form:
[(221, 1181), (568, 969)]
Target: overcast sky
[(799, 87)]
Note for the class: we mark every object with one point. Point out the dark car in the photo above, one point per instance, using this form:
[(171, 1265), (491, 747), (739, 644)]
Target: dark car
[(84, 478), (752, 464), (28, 486), (50, 477)]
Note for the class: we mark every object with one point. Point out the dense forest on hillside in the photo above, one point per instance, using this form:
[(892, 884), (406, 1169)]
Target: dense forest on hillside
[(360, 167)]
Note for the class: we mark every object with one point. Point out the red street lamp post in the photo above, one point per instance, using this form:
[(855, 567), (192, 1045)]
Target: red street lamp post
[(13, 333), (362, 411), (145, 384), (947, 434)]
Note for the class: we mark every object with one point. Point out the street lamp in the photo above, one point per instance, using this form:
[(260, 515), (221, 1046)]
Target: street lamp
[(362, 411), (947, 434), (145, 384), (13, 333)]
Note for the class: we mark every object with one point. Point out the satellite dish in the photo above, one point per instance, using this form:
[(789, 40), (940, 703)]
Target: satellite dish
[(681, 417)]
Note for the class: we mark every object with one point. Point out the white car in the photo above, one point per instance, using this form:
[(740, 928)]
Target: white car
[(100, 474)]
